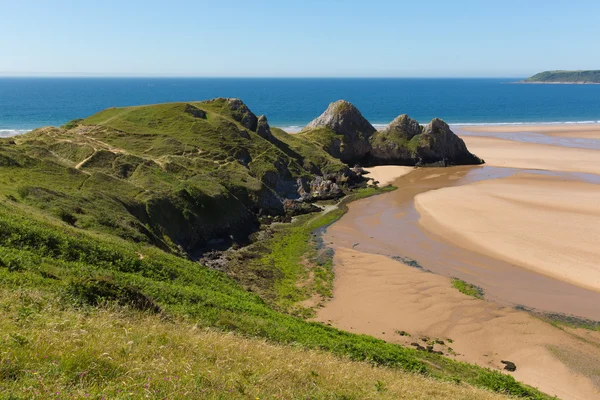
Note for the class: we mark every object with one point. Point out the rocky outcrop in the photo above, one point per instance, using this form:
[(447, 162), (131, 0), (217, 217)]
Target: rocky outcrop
[(348, 136), (353, 129), (391, 145), (236, 109), (438, 143), (195, 111), (264, 130), (242, 114), (320, 188), (405, 142)]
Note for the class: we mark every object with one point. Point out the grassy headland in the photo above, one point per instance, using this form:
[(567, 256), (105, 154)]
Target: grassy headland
[(565, 77)]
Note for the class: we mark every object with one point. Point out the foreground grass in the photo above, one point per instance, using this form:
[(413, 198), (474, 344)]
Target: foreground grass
[(40, 254), (52, 351), (467, 288)]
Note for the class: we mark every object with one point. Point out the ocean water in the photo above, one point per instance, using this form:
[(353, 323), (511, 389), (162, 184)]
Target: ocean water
[(27, 103)]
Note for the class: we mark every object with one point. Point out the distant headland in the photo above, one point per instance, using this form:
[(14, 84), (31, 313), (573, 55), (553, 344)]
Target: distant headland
[(565, 77)]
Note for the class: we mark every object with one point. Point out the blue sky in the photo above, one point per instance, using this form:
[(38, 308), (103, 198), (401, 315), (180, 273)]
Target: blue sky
[(381, 38)]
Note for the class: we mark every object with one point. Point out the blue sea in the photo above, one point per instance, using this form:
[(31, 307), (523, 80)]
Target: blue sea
[(27, 103)]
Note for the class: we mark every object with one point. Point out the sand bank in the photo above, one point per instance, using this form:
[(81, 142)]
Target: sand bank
[(387, 174), (378, 296), (507, 153), (546, 224), (591, 131)]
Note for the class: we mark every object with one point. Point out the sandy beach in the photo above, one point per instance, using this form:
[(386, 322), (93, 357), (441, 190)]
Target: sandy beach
[(526, 226), (379, 296), (387, 174), (591, 131), (547, 224), (511, 154)]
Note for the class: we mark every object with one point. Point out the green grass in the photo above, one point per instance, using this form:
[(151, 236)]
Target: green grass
[(40, 254), (53, 351), (467, 288)]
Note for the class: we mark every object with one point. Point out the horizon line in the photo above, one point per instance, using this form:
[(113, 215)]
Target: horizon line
[(259, 77)]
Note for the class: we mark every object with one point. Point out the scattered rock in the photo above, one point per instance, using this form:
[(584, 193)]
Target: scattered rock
[(509, 365)]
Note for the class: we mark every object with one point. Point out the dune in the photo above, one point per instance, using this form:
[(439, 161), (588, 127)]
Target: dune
[(588, 131), (387, 174), (378, 296), (547, 224), (511, 154)]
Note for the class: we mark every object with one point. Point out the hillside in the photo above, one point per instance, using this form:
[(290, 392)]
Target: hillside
[(100, 221), (580, 77)]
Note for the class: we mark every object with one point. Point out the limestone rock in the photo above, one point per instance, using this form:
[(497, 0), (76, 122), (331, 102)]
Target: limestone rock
[(438, 143), (391, 145), (264, 130), (354, 130)]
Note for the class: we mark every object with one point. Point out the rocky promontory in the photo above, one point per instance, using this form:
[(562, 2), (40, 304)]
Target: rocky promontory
[(352, 131), (347, 135)]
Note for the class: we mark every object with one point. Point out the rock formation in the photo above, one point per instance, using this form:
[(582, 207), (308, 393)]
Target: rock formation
[(352, 129), (264, 130), (347, 135), (438, 143)]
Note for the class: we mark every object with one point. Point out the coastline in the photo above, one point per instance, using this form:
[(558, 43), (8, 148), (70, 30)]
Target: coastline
[(379, 296)]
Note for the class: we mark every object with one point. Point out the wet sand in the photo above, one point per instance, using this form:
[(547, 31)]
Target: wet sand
[(591, 131), (547, 224), (524, 227), (512, 154), (378, 296)]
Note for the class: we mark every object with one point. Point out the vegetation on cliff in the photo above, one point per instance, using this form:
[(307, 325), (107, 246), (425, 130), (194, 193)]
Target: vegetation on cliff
[(565, 77)]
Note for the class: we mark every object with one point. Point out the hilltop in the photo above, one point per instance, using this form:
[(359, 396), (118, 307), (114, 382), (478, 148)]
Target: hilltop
[(575, 77), (102, 221)]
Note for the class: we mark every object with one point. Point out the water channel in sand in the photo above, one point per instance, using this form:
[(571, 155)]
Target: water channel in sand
[(389, 225)]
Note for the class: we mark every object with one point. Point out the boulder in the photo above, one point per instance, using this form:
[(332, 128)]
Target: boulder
[(353, 129), (509, 365)]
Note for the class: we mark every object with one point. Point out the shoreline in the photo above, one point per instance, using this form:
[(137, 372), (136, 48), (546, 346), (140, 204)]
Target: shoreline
[(376, 295)]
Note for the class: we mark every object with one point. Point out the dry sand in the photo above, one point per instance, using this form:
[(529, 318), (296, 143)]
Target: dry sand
[(378, 296), (387, 174), (546, 224), (590, 131), (508, 153)]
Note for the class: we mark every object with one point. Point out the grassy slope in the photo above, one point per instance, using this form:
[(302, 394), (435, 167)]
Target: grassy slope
[(57, 187), (42, 255), (566, 77), (57, 352)]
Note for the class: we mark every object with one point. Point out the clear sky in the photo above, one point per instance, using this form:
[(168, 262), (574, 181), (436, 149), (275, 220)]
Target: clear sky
[(382, 38)]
